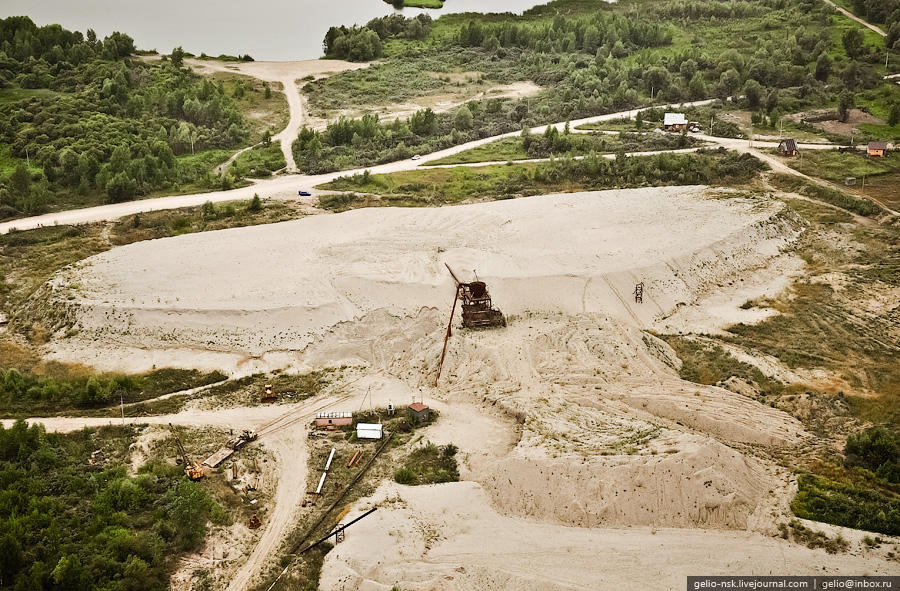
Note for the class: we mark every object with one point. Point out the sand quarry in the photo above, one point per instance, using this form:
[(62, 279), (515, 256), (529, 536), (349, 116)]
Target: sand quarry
[(586, 462)]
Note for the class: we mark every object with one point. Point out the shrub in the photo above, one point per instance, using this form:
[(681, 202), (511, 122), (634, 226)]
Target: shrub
[(405, 476)]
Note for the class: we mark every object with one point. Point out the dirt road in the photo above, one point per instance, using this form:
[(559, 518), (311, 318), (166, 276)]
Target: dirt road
[(856, 18), (278, 188)]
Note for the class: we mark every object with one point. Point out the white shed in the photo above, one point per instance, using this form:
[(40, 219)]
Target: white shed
[(368, 431)]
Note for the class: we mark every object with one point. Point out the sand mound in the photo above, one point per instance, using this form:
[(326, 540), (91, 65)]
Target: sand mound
[(270, 288), (447, 537), (704, 485)]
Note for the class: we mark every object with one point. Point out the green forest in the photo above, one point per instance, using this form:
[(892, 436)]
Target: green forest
[(68, 523), (85, 120), (780, 55)]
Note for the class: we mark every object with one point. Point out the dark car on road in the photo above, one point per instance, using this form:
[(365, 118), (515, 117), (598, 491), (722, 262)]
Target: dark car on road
[(304, 193)]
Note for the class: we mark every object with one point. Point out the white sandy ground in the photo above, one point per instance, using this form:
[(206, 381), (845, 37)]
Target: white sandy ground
[(270, 290), (577, 440), (449, 537)]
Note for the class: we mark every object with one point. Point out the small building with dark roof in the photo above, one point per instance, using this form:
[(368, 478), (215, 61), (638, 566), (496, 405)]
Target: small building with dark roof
[(876, 149), (788, 147), (418, 412)]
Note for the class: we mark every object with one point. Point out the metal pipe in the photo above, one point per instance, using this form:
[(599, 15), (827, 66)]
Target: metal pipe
[(340, 529), (447, 336), (321, 482), (330, 457)]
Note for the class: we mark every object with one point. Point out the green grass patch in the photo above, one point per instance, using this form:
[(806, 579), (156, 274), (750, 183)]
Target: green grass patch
[(420, 3), (429, 464), (260, 162), (543, 145), (794, 184), (499, 151), (15, 94), (835, 166), (426, 187), (871, 507), (707, 363)]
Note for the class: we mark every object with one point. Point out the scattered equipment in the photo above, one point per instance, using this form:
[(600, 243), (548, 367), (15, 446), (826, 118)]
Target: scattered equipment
[(254, 522), (231, 446), (192, 470)]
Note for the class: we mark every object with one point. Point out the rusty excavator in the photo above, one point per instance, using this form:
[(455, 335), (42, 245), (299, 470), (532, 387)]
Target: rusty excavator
[(192, 470), (477, 310)]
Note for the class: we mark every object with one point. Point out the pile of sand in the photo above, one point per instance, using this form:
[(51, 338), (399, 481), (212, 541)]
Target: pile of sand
[(278, 287)]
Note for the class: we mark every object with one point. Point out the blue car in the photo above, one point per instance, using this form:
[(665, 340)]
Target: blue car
[(304, 193)]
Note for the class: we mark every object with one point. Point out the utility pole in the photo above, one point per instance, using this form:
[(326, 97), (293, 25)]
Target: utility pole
[(27, 158), (192, 142)]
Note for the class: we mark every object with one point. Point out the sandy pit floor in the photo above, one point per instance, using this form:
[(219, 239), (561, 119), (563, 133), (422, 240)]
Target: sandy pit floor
[(577, 439), (448, 537), (227, 297)]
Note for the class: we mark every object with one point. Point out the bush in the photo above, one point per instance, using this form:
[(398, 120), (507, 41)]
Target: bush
[(404, 476), (875, 449)]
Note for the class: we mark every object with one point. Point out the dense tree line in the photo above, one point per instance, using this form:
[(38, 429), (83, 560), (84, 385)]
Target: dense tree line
[(108, 123), (24, 391), (65, 524), (366, 43), (367, 141)]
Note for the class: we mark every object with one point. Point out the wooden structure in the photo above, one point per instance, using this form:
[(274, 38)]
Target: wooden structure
[(333, 420), (876, 149), (675, 122), (418, 412), (231, 446), (639, 293), (788, 147)]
